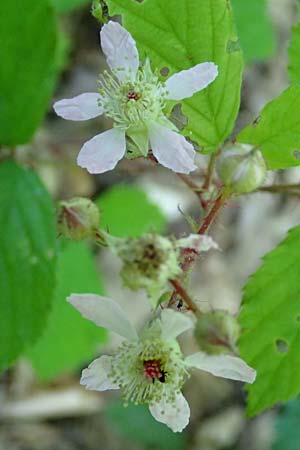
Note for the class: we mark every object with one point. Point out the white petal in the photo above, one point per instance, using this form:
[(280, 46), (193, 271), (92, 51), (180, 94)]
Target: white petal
[(96, 377), (174, 323), (175, 416), (186, 83), (197, 242), (104, 312), (224, 366), (171, 149), (120, 50), (83, 107), (103, 152)]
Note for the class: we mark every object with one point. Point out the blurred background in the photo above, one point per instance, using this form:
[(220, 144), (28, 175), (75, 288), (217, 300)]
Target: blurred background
[(42, 405)]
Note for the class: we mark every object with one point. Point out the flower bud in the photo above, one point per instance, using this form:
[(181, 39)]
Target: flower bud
[(241, 167), (78, 218), (97, 11), (217, 332)]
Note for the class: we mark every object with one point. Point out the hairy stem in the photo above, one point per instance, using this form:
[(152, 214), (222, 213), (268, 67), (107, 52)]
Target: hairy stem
[(189, 182), (281, 188), (191, 258), (210, 170), (179, 289), (209, 219)]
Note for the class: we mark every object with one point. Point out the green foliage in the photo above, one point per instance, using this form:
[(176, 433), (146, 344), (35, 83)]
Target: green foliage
[(127, 211), (27, 259), (69, 340), (64, 6), (270, 318), (294, 55), (287, 427), (254, 29), (276, 131), (196, 31), (29, 54), (137, 425)]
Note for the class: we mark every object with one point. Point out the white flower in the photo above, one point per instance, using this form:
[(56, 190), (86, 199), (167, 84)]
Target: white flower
[(150, 368), (135, 99)]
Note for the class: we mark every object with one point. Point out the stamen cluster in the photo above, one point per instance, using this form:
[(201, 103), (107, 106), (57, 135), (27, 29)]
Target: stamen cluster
[(132, 103), (148, 370)]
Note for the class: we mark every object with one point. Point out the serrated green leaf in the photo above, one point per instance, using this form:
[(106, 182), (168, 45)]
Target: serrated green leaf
[(254, 29), (69, 340), (294, 55), (287, 435), (28, 36), (27, 259), (127, 211), (192, 31), (276, 131), (270, 318), (137, 425), (64, 6)]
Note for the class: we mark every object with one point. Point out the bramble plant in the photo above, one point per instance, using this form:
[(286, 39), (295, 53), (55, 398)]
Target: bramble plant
[(196, 44)]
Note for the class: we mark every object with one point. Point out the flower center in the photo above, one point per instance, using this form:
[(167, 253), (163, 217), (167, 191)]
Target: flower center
[(151, 259), (133, 95), (148, 370), (153, 370), (131, 103)]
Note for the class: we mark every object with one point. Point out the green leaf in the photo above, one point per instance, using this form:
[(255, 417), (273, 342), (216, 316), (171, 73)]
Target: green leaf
[(294, 55), (29, 53), (69, 340), (270, 318), (255, 30), (27, 259), (137, 425), (127, 211), (64, 6), (287, 427), (276, 131), (192, 31)]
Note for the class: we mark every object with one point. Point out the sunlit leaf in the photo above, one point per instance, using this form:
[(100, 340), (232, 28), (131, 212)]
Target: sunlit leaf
[(270, 318), (276, 131), (254, 28)]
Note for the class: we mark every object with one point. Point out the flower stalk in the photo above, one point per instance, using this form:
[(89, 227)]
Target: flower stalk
[(179, 289)]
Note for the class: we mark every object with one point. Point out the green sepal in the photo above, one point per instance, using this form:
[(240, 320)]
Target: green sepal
[(139, 138)]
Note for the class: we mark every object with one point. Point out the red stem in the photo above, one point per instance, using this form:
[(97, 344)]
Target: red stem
[(191, 258), (208, 220), (184, 295)]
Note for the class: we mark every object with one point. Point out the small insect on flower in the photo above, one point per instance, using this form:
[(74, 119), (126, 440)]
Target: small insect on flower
[(149, 366), (135, 99)]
